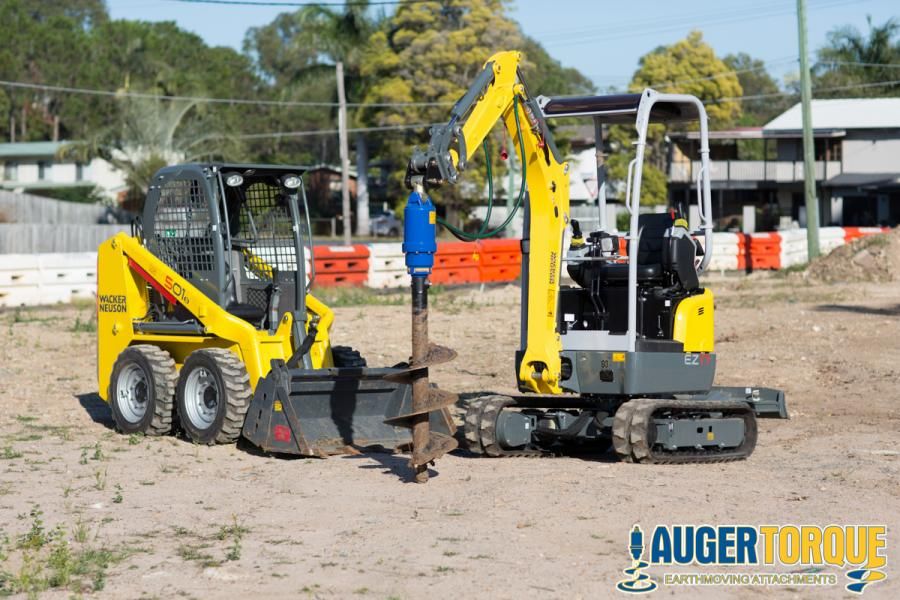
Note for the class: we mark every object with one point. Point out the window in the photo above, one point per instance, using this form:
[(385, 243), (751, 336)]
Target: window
[(11, 171), (44, 168)]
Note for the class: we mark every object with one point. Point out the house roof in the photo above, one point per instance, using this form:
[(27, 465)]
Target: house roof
[(30, 149), (847, 113), (862, 180)]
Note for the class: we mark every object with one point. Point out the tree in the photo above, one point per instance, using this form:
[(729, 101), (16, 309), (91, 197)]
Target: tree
[(755, 80), (430, 53), (853, 62), (296, 54), (689, 66)]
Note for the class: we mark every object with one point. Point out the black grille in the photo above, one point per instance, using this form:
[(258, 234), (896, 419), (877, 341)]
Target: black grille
[(265, 225), (182, 237)]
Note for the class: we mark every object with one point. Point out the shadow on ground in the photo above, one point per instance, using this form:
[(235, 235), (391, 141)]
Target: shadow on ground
[(890, 311), (97, 409)]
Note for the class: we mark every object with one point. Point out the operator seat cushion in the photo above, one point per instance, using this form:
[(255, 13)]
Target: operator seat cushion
[(678, 257), (619, 272), (248, 312)]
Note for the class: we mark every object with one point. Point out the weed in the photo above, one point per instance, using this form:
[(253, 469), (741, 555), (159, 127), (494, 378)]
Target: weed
[(84, 457), (88, 326), (8, 453), (36, 537), (442, 569), (135, 438), (100, 480), (361, 591), (450, 553), (117, 499), (25, 418), (236, 532), (80, 532), (98, 452)]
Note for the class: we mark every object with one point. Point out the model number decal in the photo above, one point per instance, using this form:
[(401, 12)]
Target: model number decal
[(176, 289), (701, 359)]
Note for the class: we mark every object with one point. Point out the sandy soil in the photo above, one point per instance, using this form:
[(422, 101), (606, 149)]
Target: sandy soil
[(84, 508)]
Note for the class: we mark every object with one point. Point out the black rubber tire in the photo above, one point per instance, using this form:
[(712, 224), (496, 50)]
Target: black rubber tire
[(346, 357), (159, 370), (233, 386)]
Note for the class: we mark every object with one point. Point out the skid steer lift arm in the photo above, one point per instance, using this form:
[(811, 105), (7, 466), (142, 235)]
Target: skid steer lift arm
[(499, 94)]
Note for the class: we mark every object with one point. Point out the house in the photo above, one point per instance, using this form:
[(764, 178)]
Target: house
[(35, 167), (857, 166)]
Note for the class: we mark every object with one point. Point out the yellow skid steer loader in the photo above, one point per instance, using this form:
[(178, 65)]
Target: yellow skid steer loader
[(205, 323)]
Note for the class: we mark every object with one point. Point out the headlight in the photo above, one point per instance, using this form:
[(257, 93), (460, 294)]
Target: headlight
[(292, 182), (234, 179)]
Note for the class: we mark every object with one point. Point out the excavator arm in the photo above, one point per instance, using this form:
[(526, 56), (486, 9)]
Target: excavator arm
[(498, 94)]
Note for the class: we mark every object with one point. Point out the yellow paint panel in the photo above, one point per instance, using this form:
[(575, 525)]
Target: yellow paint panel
[(694, 323)]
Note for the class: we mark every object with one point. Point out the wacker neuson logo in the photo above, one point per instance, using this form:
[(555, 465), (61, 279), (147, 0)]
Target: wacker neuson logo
[(787, 555)]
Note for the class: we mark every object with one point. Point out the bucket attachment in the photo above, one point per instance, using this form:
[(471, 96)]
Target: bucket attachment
[(318, 412)]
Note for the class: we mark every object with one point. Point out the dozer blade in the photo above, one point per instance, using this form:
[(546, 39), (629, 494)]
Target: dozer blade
[(333, 411)]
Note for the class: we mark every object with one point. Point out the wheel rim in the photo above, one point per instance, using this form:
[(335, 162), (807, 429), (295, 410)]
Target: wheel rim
[(201, 398), (132, 392)]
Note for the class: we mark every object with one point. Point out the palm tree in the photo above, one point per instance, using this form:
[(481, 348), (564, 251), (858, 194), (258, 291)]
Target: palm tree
[(858, 63), (152, 132)]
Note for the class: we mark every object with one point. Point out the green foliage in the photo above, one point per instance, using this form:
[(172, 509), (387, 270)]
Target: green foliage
[(838, 61), (83, 194), (689, 66), (756, 81)]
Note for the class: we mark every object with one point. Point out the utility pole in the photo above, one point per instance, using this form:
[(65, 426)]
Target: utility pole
[(345, 153), (809, 166), (362, 186)]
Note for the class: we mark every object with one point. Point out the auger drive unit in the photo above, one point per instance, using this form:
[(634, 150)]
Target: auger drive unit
[(623, 355), (206, 323)]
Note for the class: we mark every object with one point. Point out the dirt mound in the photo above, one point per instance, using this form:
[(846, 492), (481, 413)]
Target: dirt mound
[(871, 258)]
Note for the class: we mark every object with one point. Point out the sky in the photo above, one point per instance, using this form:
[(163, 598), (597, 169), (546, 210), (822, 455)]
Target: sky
[(604, 40)]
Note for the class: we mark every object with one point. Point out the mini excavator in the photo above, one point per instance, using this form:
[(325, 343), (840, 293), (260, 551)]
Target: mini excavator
[(625, 356)]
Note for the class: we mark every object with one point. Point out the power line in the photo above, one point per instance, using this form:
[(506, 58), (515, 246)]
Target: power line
[(300, 4), (312, 132), (676, 24), (124, 94)]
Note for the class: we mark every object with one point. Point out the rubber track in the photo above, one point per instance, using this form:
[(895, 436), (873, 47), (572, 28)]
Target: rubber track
[(345, 356), (238, 394), (493, 406), (472, 424), (621, 431), (642, 422), (164, 381)]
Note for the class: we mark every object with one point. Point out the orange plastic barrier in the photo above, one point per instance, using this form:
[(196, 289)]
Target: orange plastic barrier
[(341, 265), (456, 262), (499, 259), (765, 251), (852, 233)]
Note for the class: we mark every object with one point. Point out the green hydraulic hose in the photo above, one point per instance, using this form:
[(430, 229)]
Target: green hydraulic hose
[(481, 234)]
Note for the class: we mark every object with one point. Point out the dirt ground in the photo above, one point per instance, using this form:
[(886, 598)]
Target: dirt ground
[(83, 508)]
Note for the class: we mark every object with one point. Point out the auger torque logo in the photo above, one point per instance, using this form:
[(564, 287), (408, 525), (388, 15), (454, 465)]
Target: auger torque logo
[(807, 550)]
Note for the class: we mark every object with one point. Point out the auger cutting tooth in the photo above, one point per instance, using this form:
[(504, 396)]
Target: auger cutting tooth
[(437, 400), (438, 445), (435, 355)]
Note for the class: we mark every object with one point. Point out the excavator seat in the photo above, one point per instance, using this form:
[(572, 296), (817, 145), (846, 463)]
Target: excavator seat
[(614, 272)]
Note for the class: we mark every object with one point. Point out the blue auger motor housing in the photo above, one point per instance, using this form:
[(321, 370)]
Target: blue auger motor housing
[(419, 232)]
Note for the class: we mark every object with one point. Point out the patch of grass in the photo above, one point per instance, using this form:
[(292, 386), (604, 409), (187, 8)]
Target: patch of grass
[(358, 296), (25, 418), (235, 532), (8, 453), (361, 591), (88, 326), (197, 553), (135, 438), (443, 569), (117, 499), (100, 480)]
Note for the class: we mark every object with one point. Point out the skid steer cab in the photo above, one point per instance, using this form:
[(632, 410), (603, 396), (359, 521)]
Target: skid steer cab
[(205, 323)]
